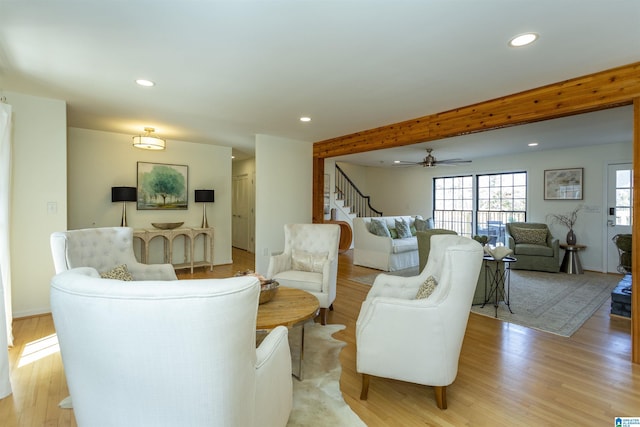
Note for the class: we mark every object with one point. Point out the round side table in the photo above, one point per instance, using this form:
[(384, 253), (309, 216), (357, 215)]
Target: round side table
[(571, 262)]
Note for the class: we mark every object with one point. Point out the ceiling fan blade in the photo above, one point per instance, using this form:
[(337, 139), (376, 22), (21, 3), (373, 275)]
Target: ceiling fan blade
[(402, 162), (453, 161), (430, 161)]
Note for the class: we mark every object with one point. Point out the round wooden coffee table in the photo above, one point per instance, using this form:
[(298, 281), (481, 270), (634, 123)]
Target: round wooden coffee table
[(289, 307), (292, 308)]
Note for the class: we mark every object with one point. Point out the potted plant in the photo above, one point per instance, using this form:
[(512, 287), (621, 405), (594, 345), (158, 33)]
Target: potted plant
[(568, 220)]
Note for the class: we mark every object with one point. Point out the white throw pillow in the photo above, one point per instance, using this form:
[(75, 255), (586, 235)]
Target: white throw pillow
[(308, 261)]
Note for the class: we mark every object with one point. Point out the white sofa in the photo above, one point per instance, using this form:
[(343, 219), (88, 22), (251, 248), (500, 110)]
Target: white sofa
[(383, 253)]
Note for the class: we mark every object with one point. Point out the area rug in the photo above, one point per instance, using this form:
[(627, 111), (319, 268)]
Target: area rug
[(558, 303), (368, 279), (317, 400), (553, 302)]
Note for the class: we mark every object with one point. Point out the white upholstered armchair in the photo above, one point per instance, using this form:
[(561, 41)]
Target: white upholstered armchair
[(158, 353), (419, 340), (103, 249), (309, 261)]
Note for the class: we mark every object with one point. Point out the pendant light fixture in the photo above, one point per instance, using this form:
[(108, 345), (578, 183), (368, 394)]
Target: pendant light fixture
[(148, 141)]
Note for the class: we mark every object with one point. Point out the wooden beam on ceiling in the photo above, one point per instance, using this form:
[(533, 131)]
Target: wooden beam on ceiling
[(599, 91)]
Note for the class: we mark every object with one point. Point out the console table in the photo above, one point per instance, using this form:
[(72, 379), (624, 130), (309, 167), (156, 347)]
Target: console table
[(168, 236)]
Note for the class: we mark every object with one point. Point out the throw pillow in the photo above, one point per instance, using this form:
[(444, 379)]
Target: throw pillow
[(427, 288), (422, 224), (394, 233), (379, 228), (532, 236), (119, 272), (403, 229), (308, 261)]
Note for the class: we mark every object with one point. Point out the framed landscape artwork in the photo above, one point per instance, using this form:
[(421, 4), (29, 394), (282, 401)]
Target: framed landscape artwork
[(162, 186), (563, 184)]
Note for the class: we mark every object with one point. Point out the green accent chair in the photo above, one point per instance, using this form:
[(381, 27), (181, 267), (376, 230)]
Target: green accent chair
[(424, 247), (530, 256), (424, 244)]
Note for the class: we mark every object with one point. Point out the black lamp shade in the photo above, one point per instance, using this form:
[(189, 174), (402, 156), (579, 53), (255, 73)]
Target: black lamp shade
[(124, 194), (205, 196)]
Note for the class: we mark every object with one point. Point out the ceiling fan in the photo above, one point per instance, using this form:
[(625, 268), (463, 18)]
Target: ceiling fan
[(430, 161)]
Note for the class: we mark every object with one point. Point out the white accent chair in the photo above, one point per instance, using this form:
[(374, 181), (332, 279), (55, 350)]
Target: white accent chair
[(157, 353), (306, 244), (419, 340), (103, 248)]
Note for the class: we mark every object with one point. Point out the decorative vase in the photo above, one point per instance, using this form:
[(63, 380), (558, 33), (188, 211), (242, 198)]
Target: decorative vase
[(571, 237)]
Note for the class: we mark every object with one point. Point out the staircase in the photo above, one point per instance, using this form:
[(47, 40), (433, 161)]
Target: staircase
[(349, 199)]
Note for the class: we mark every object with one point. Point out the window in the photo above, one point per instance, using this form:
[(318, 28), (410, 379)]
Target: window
[(453, 204), (501, 198), (624, 193)]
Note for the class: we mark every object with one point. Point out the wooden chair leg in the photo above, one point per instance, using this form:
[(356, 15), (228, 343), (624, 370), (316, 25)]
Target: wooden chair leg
[(323, 316), (441, 396), (364, 393)]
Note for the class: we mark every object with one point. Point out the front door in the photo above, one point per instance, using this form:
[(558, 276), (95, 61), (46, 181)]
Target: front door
[(619, 204)]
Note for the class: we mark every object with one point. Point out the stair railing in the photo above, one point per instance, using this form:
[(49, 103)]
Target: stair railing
[(347, 191)]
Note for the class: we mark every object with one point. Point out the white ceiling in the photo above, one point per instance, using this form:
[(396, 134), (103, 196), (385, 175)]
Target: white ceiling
[(228, 70)]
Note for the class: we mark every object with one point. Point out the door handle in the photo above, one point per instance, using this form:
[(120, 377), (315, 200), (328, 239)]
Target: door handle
[(611, 223)]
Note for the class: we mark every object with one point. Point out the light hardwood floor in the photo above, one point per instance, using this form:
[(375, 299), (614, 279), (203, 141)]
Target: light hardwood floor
[(508, 376)]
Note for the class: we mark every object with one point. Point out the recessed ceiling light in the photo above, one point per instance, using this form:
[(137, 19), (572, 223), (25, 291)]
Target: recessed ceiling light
[(523, 39), (396, 161), (146, 83), (305, 119), (532, 144)]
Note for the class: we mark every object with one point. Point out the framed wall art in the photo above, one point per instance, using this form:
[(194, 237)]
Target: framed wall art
[(563, 184), (162, 186)]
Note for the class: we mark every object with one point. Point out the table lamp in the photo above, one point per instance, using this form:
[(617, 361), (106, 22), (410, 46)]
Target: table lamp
[(124, 195), (204, 196)]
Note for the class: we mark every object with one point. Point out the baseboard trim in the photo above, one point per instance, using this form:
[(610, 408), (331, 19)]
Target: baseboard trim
[(30, 313), (617, 316)]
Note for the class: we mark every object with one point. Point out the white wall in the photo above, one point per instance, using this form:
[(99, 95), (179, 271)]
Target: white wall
[(39, 197), (284, 177), (404, 191), (101, 160)]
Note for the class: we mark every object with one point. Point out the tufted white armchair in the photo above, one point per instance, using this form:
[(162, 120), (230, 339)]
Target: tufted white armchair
[(309, 261), (419, 340), (157, 353), (103, 249)]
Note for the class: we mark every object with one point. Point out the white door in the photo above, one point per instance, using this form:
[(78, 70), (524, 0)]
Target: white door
[(240, 212), (618, 209)]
